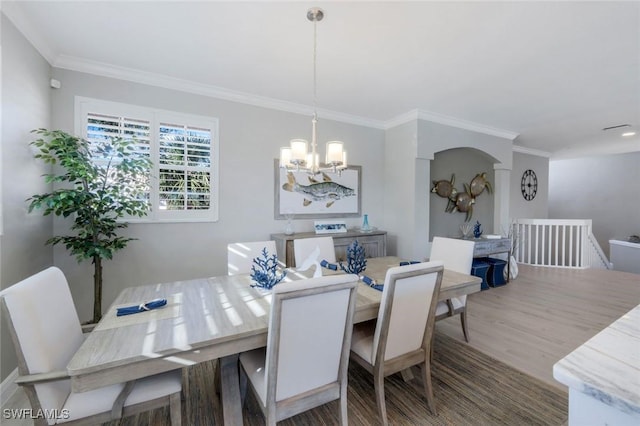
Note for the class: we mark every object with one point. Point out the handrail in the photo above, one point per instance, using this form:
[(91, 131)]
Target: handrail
[(603, 261), (564, 243)]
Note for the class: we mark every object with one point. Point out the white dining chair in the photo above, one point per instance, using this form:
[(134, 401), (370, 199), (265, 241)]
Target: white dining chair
[(240, 255), (457, 256), (402, 335), (45, 329), (304, 247), (305, 362)]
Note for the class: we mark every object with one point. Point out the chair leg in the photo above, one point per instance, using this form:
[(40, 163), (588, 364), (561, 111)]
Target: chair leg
[(464, 322), (428, 387), (271, 418), (343, 410), (378, 380), (433, 341), (175, 408)]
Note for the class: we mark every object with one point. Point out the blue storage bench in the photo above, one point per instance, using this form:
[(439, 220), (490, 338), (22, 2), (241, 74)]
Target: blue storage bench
[(496, 271), (480, 269)]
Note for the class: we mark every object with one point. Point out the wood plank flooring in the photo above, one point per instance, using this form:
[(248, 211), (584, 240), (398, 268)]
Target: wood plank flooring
[(533, 321), (544, 314)]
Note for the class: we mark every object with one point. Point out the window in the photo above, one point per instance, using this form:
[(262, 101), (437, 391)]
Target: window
[(183, 149)]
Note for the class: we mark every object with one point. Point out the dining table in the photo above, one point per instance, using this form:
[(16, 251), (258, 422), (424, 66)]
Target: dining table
[(205, 319)]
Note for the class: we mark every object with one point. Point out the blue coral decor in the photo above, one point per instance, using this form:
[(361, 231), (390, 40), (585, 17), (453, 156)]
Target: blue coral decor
[(264, 272), (356, 261)]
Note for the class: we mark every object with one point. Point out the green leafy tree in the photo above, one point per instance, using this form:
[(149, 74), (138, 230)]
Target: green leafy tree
[(95, 183)]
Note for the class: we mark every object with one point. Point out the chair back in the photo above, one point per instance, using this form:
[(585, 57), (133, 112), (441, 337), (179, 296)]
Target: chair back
[(309, 338), (304, 247), (456, 254), (240, 255), (45, 329), (407, 310)]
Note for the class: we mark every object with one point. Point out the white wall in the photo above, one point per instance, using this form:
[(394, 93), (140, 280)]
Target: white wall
[(26, 105), (250, 138), (605, 189)]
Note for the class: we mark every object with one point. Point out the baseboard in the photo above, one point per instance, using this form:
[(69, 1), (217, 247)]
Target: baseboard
[(8, 386)]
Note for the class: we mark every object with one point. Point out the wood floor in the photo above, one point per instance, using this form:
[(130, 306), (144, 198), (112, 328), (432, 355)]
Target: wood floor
[(533, 321), (544, 314)]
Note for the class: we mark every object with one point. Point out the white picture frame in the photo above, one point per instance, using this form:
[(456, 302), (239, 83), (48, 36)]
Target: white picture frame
[(329, 226), (291, 201)]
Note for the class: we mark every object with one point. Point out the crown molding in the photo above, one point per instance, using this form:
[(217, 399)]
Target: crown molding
[(401, 119), (167, 82), (531, 151), (450, 121)]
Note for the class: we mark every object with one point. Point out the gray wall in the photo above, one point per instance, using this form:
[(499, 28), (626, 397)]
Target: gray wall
[(605, 189), (465, 163), (538, 207), (250, 138), (399, 189), (26, 105)]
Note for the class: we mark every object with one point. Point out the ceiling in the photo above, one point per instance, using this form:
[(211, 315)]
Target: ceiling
[(554, 74)]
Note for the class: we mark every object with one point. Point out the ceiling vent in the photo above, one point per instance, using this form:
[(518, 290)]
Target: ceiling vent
[(619, 126)]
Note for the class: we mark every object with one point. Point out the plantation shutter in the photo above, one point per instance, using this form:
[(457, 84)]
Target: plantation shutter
[(183, 149), (184, 167), (101, 127)]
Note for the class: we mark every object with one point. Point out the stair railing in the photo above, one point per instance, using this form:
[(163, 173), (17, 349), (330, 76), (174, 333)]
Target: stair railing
[(564, 243)]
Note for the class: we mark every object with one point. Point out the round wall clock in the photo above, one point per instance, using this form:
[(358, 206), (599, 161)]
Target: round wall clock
[(529, 185)]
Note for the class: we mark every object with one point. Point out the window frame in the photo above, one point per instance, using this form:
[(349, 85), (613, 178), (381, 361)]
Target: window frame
[(84, 106)]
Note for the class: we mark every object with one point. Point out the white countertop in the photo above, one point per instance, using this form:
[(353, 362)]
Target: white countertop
[(607, 366)]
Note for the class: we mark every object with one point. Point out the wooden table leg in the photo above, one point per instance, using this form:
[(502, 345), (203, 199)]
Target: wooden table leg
[(230, 390)]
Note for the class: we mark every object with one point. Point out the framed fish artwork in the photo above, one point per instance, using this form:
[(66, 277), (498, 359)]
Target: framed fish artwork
[(305, 196)]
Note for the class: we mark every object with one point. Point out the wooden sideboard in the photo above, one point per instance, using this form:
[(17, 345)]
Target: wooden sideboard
[(374, 243)]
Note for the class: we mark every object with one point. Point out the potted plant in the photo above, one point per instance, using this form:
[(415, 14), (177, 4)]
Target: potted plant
[(97, 184)]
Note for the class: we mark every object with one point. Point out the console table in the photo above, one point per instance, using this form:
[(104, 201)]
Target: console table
[(487, 246), (374, 243)]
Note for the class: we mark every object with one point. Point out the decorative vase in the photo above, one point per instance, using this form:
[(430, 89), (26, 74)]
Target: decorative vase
[(288, 230), (513, 268), (365, 224)]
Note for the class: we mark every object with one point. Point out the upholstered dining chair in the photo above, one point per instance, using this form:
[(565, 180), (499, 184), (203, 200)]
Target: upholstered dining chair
[(305, 362), (457, 255), (46, 332), (402, 335), (240, 255), (304, 247)]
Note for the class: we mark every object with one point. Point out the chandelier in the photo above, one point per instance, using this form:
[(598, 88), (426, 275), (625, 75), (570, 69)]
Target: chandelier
[(297, 156)]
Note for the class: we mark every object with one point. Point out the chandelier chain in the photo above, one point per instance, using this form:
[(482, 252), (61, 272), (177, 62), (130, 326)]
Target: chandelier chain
[(315, 53)]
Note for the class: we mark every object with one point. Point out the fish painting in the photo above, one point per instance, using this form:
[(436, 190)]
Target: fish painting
[(318, 190)]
